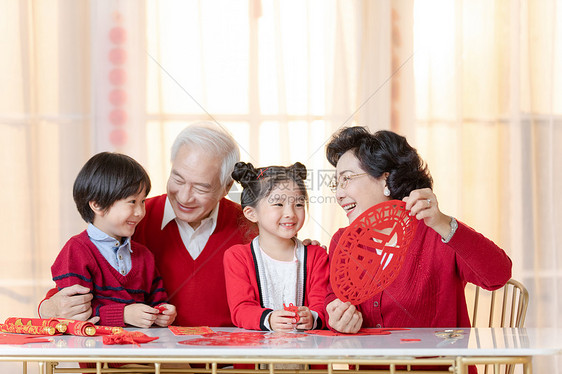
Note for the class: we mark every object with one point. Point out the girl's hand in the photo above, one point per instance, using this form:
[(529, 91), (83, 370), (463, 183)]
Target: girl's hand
[(423, 204), (306, 319), (282, 320), (167, 316), (140, 315), (344, 317)]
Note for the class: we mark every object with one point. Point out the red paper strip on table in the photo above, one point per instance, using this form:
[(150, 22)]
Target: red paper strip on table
[(409, 340), (21, 339), (195, 330), (371, 251), (128, 337), (292, 308), (44, 322), (222, 338)]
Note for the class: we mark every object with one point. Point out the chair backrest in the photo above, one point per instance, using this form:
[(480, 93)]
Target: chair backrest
[(504, 307)]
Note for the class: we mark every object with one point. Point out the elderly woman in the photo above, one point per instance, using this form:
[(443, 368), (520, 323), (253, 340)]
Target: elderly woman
[(443, 256)]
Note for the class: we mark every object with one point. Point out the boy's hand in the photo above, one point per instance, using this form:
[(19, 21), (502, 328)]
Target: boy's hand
[(140, 315), (306, 319), (282, 320), (167, 315)]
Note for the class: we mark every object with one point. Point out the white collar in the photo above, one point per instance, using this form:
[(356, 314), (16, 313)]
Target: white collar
[(170, 215)]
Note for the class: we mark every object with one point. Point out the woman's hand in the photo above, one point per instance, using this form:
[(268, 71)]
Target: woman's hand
[(423, 204), (282, 320), (306, 319), (344, 317)]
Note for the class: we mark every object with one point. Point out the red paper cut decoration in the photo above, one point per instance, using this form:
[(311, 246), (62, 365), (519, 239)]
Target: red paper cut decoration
[(247, 339), (128, 337), (196, 330), (293, 308), (371, 251)]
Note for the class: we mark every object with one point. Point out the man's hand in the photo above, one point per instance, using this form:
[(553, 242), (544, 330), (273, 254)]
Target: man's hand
[(306, 242), (140, 315), (71, 302), (167, 316), (344, 317)]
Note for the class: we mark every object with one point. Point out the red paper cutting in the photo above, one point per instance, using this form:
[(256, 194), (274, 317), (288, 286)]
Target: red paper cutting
[(371, 251), (21, 339), (292, 308), (247, 339), (128, 337), (195, 330), (160, 308)]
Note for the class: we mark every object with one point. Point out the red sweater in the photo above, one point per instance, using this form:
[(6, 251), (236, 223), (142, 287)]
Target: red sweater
[(80, 262), (244, 294), (429, 291), (196, 287)]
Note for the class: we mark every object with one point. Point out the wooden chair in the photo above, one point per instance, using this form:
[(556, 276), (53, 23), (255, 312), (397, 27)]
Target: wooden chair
[(504, 307)]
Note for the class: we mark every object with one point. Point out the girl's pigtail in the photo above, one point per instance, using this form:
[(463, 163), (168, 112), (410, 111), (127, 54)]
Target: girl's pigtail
[(244, 173), (298, 171)]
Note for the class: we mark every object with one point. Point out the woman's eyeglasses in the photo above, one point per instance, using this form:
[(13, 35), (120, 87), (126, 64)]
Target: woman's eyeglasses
[(342, 183)]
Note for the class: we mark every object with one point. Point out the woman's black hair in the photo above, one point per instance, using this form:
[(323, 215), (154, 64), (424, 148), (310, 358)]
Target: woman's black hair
[(106, 178), (258, 183), (383, 152)]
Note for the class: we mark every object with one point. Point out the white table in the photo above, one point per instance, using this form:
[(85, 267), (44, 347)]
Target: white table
[(478, 345)]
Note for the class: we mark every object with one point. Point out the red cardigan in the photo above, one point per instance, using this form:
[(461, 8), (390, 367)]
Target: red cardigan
[(244, 294), (80, 262), (429, 291), (196, 287)]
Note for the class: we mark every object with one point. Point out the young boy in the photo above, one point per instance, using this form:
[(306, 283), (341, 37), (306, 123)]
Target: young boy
[(109, 192)]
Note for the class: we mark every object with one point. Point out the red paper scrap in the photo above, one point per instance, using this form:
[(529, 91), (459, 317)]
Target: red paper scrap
[(128, 337), (195, 330), (161, 308), (238, 339), (292, 308), (371, 251), (409, 340), (22, 339)]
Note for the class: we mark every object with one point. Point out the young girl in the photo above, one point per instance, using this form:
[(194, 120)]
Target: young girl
[(275, 269), (109, 192)]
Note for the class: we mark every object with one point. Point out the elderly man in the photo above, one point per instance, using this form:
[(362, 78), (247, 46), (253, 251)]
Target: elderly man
[(188, 229)]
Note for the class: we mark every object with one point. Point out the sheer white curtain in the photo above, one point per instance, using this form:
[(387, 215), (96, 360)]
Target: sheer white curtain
[(488, 121)]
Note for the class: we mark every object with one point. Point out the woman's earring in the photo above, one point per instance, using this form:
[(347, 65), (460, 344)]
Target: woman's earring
[(386, 191)]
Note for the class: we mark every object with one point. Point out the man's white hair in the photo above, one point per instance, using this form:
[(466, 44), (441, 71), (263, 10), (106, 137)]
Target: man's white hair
[(213, 139)]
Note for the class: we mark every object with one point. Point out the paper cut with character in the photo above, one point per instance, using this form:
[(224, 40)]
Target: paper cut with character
[(371, 251)]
